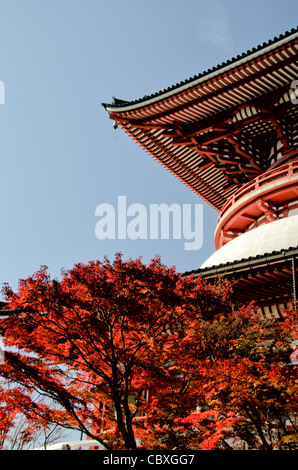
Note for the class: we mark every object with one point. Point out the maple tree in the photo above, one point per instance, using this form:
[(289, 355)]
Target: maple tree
[(18, 430), (238, 371), (7, 414), (97, 340)]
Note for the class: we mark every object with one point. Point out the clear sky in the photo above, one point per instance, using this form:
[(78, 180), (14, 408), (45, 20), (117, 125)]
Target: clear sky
[(60, 155)]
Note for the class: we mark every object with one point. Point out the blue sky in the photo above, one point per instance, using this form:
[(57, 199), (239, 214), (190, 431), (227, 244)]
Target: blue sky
[(60, 156)]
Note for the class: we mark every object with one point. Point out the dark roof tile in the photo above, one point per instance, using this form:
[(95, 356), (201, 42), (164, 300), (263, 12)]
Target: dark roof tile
[(119, 103)]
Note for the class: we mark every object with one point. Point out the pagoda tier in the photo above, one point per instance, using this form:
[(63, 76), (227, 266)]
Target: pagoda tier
[(220, 130), (270, 279), (231, 135)]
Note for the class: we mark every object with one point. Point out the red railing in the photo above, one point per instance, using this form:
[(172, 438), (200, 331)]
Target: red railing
[(284, 171)]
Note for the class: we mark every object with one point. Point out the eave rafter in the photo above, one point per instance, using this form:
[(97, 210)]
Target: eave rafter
[(218, 131), (206, 135), (230, 84), (202, 135), (221, 120)]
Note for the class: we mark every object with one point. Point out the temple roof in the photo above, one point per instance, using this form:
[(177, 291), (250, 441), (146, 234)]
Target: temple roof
[(245, 264), (219, 129), (265, 278), (119, 103)]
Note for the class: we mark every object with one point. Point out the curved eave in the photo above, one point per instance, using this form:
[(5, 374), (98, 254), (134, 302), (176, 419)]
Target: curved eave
[(155, 122), (265, 279), (245, 264), (122, 105)]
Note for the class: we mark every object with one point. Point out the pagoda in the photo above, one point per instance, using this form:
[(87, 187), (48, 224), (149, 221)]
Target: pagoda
[(231, 135)]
